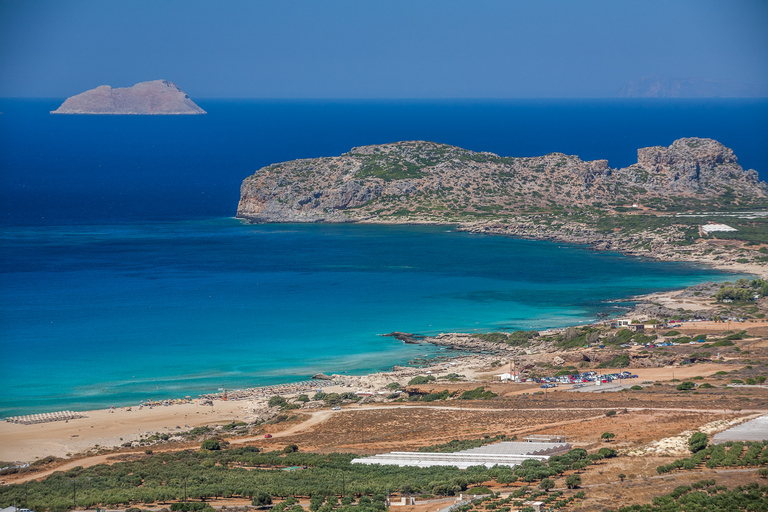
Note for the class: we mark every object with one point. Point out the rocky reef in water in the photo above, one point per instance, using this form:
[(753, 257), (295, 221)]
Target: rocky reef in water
[(420, 182), (157, 97)]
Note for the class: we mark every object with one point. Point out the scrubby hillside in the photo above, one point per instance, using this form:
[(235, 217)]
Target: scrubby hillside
[(425, 181)]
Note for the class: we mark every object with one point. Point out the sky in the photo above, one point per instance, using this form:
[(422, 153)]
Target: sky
[(379, 49)]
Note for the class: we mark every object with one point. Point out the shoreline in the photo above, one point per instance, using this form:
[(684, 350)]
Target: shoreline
[(124, 424)]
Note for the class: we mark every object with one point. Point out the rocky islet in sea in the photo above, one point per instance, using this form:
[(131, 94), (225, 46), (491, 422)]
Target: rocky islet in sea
[(156, 97)]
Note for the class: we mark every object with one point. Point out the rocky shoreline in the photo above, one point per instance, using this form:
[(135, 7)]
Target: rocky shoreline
[(662, 247)]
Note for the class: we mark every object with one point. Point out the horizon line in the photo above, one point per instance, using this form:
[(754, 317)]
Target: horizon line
[(440, 98)]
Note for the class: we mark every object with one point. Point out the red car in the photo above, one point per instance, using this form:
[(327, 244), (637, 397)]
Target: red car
[(267, 436)]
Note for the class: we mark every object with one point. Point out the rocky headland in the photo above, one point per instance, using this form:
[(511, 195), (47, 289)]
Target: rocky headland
[(637, 210), (157, 97), (430, 182)]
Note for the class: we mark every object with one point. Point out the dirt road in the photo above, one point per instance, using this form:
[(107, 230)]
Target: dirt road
[(318, 417)]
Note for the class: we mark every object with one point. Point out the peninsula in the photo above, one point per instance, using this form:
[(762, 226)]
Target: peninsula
[(651, 398), (425, 181), (658, 207), (157, 97)]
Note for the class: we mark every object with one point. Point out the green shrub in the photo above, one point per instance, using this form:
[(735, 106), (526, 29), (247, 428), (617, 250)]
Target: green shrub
[(211, 444), (698, 441), (685, 386), (546, 484), (573, 481), (477, 394), (620, 361), (734, 294), (421, 379), (277, 401), (192, 506), (261, 499), (607, 453)]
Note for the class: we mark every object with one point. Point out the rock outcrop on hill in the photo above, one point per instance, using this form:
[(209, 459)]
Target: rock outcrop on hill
[(158, 97), (429, 182)]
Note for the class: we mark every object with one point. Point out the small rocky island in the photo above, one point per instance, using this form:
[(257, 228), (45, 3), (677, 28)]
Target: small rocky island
[(157, 97)]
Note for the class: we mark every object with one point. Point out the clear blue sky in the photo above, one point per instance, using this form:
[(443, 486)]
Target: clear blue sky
[(378, 49)]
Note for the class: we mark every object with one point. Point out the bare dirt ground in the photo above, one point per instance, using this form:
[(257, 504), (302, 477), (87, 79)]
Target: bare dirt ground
[(648, 424)]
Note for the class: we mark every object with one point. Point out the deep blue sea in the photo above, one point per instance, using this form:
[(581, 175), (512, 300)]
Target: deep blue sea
[(123, 276)]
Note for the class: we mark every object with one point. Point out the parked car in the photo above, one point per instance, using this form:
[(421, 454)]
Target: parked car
[(337, 408), (267, 436)]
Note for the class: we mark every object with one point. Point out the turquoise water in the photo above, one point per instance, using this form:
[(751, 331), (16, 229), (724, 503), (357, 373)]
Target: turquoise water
[(122, 277), (100, 315)]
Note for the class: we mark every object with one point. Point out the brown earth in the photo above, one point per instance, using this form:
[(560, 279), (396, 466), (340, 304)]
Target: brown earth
[(642, 418)]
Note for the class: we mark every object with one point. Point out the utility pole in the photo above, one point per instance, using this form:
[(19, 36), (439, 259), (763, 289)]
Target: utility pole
[(74, 494)]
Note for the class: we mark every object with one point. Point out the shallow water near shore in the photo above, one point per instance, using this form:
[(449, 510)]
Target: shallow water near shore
[(122, 279), (103, 315)]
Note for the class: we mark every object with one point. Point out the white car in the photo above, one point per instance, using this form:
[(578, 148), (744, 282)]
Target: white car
[(337, 408)]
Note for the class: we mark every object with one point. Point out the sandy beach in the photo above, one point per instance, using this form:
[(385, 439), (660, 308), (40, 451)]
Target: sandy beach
[(106, 429)]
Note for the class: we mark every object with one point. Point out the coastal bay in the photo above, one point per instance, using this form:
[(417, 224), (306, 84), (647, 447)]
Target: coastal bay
[(164, 310), (117, 292)]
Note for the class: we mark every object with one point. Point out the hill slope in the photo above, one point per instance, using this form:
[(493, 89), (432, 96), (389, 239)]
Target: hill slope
[(429, 182)]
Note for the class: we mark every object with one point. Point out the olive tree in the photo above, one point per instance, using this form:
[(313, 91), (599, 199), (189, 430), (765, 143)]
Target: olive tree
[(698, 441)]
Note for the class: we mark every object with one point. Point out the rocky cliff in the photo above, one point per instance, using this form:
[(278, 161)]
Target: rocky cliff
[(155, 97), (430, 182)]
